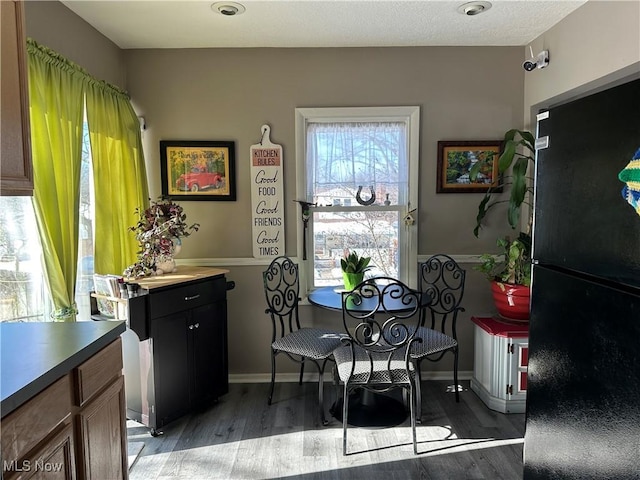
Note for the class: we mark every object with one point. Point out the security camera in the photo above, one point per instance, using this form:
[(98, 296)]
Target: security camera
[(536, 61)]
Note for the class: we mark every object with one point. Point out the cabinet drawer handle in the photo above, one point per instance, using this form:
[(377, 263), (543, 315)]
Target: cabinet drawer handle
[(197, 325), (190, 327), (191, 298)]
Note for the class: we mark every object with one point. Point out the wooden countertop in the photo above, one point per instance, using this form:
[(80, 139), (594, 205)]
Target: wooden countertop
[(34, 355), (184, 274)]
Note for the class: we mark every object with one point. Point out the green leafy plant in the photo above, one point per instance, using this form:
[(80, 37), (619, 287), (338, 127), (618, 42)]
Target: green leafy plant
[(353, 263), (515, 266), (518, 152)]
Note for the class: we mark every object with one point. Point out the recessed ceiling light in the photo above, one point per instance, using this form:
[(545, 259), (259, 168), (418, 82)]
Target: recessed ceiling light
[(228, 8), (474, 8)]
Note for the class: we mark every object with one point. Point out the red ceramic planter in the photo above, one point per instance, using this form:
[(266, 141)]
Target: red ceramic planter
[(512, 301)]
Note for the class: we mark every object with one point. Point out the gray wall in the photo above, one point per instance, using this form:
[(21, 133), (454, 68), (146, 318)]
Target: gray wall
[(227, 94), (465, 93), (53, 25), (595, 47)]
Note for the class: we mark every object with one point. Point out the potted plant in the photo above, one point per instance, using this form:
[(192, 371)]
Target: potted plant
[(353, 269), (510, 277)]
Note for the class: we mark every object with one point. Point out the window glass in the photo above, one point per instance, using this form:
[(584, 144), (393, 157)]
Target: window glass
[(347, 161), (357, 173), (21, 279), (84, 275), (23, 293), (372, 233)]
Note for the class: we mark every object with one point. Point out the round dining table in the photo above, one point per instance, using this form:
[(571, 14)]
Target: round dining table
[(366, 408)]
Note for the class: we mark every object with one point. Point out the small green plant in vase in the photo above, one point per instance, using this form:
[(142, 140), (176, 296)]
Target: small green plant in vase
[(353, 269)]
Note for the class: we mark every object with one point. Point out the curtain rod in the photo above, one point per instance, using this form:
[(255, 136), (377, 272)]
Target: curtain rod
[(51, 56)]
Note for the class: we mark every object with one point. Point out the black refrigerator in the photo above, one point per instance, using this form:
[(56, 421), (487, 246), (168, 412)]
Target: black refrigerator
[(583, 398)]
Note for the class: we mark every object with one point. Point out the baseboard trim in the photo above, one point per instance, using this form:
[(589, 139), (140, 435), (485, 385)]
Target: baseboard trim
[(498, 404), (312, 377)]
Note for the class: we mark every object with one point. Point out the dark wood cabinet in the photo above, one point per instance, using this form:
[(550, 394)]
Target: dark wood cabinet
[(102, 429), (55, 460), (16, 177), (75, 428), (183, 346)]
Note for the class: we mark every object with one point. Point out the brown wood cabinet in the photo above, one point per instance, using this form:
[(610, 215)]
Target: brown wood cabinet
[(16, 173), (75, 428)]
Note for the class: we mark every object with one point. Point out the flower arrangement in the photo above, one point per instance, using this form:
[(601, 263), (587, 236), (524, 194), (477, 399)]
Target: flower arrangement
[(159, 229)]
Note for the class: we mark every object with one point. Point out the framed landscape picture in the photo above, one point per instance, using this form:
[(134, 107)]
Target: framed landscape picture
[(455, 160), (198, 170)]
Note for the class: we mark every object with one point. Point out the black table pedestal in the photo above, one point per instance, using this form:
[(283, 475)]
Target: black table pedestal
[(368, 409)]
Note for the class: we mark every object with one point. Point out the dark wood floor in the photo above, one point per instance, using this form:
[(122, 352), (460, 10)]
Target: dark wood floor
[(242, 437)]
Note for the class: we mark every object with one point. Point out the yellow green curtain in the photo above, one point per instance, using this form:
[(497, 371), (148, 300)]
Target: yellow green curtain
[(56, 90), (119, 174)]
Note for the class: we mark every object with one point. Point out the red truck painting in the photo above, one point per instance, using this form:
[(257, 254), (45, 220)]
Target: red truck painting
[(198, 180)]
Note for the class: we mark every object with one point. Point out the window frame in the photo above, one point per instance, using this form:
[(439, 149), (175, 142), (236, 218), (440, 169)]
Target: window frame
[(410, 116)]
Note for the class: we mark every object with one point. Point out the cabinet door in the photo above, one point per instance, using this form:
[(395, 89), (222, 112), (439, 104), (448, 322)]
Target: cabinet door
[(208, 346), (54, 460), (15, 150), (102, 435), (518, 362), (171, 366)]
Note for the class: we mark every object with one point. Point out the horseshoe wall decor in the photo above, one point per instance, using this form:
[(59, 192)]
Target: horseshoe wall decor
[(365, 202)]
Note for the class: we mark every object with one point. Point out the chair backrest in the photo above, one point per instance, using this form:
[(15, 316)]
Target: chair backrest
[(282, 289), (442, 279), (381, 317)]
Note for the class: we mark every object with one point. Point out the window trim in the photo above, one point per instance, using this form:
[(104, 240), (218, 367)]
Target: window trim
[(410, 115)]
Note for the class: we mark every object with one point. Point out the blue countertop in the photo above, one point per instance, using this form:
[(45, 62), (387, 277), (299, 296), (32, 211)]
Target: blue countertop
[(34, 355)]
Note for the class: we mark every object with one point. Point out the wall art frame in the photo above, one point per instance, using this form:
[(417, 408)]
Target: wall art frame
[(198, 170), (455, 159)]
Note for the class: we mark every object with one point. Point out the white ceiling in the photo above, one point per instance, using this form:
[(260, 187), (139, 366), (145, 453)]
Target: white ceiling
[(311, 23)]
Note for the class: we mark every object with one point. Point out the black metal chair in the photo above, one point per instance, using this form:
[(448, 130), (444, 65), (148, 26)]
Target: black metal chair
[(381, 317), (281, 287), (442, 279)]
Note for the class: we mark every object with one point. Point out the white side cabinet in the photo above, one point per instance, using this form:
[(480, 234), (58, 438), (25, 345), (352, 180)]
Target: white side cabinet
[(500, 366)]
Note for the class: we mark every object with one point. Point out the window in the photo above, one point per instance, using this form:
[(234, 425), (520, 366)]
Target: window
[(84, 275), (346, 154), (23, 294), (21, 279)]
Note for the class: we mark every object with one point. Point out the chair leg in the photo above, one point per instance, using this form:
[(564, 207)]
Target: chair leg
[(323, 420), (273, 375), (418, 393), (336, 384), (455, 374), (301, 371), (345, 420), (413, 403)]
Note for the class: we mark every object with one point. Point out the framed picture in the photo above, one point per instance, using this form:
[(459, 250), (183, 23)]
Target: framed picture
[(455, 160), (198, 170)]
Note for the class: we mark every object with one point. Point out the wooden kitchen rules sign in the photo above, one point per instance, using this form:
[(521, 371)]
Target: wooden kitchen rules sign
[(267, 197)]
